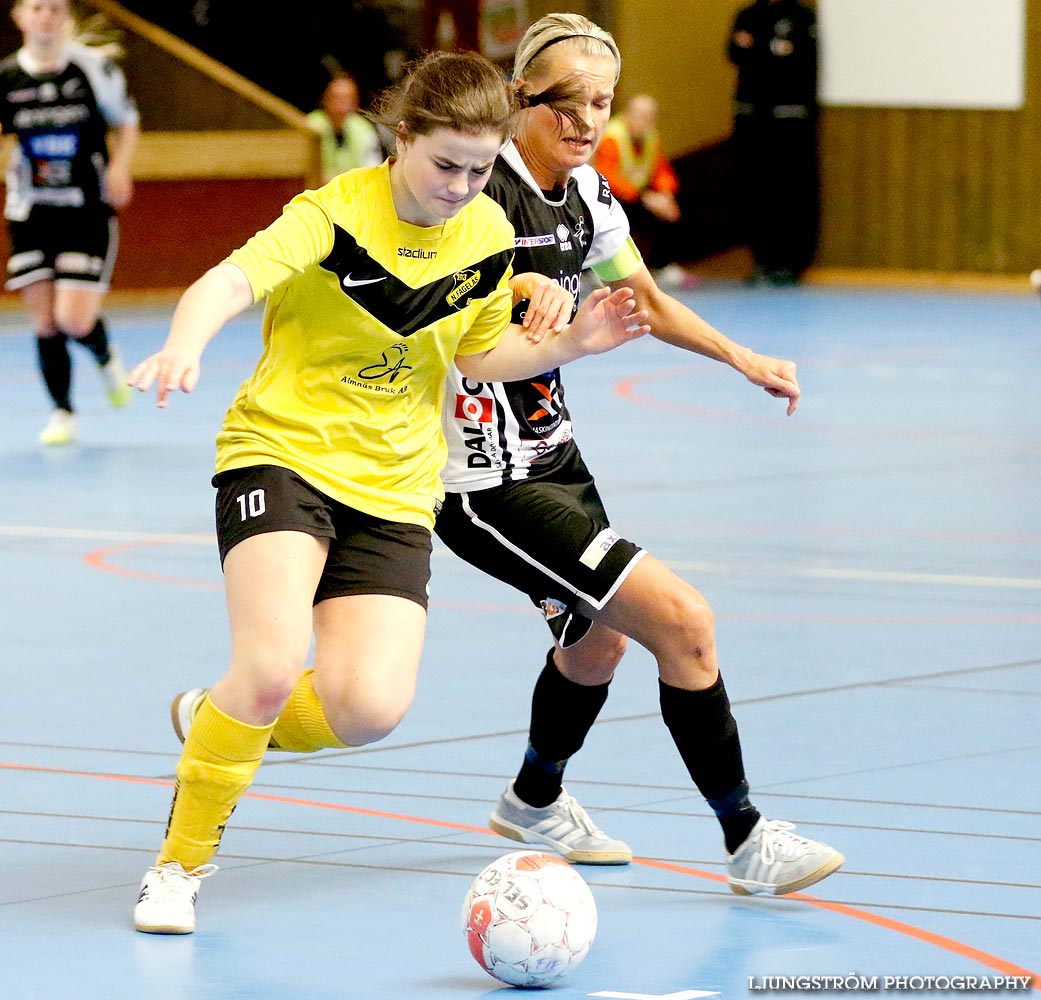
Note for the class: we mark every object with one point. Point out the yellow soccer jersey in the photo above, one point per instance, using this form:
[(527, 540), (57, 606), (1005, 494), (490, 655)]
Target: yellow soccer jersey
[(364, 315)]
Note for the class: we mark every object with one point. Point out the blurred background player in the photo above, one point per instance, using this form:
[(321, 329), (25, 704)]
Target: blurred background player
[(773, 44), (348, 139), (642, 179), (60, 98)]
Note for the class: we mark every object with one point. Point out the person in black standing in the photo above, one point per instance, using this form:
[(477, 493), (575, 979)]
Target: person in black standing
[(774, 47)]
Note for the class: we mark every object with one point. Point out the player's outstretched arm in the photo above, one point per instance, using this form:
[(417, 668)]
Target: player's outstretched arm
[(673, 323), (219, 295), (607, 319)]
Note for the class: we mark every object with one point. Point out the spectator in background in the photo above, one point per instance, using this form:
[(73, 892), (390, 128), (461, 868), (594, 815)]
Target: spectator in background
[(774, 47), (348, 140), (631, 158)]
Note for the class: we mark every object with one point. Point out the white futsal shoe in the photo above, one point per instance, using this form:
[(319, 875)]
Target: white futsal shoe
[(114, 377), (563, 825), (60, 429), (183, 709), (774, 861), (166, 904)]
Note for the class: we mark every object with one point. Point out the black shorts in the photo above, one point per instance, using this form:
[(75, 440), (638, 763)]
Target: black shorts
[(547, 536), (366, 554), (70, 246)]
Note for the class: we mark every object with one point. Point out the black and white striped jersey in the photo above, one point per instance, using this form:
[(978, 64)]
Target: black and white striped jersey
[(61, 119), (503, 431)]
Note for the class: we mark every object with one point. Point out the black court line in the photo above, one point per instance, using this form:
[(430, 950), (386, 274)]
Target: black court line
[(320, 861)]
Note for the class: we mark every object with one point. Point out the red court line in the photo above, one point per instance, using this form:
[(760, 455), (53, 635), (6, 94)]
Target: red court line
[(908, 930), (630, 389), (899, 927), (98, 560)]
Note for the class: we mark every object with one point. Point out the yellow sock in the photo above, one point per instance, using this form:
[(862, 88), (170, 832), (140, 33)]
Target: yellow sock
[(302, 727), (217, 765)]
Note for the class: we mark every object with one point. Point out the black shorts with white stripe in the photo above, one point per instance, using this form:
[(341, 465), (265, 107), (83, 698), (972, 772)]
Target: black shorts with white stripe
[(71, 246), (548, 536)]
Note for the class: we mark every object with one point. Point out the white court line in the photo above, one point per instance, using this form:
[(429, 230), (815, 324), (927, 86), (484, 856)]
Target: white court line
[(102, 535), (719, 569), (941, 579), (875, 576)]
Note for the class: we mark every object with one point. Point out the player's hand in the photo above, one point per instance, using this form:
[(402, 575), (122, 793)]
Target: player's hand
[(777, 377), (119, 187), (607, 320), (550, 305), (169, 371)]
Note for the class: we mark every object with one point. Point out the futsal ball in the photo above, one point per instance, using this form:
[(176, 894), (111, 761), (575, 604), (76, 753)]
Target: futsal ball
[(529, 918)]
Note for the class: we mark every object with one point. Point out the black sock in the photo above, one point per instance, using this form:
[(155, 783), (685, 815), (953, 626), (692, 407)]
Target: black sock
[(562, 713), (56, 368), (97, 343), (706, 736)]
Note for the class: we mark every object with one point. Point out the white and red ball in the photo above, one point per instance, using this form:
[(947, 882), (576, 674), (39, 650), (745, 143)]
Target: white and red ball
[(529, 918)]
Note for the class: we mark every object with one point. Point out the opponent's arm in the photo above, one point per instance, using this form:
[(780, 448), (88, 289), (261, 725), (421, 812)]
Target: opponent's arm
[(673, 323), (606, 320)]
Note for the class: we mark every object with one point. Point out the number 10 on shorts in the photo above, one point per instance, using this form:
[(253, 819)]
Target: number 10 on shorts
[(251, 504)]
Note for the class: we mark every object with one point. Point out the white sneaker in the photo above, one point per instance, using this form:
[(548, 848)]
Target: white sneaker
[(562, 825), (166, 904), (60, 429), (774, 861), (114, 375), (183, 709)]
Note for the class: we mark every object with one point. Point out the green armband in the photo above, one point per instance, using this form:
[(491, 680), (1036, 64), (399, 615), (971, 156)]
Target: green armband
[(621, 265)]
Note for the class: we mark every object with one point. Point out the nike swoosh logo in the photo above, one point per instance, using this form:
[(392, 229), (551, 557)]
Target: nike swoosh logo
[(350, 282)]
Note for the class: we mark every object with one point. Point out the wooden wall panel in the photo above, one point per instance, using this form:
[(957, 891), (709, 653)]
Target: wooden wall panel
[(173, 230), (937, 190)]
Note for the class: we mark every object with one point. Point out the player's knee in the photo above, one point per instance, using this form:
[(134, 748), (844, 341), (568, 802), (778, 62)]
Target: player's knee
[(267, 675), (594, 659), (271, 694), (690, 619), (73, 324), (358, 721)]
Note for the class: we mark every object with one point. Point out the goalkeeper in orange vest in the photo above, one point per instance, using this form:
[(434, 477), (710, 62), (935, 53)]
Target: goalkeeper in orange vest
[(631, 158)]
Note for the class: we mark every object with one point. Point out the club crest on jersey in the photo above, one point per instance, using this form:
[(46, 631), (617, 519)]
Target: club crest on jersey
[(564, 238), (552, 608), (475, 408), (465, 282)]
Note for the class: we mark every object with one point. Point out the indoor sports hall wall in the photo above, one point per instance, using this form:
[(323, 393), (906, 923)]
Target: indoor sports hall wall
[(903, 189), (918, 189), (217, 160)]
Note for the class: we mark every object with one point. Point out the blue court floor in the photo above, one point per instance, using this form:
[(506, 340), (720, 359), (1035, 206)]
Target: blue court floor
[(874, 563)]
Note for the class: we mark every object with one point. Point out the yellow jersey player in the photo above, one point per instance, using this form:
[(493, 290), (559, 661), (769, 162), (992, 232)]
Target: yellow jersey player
[(327, 463)]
